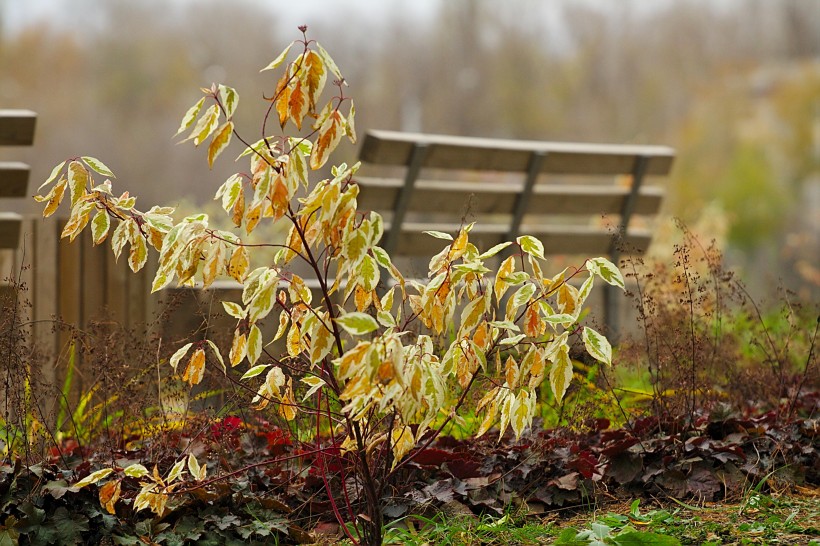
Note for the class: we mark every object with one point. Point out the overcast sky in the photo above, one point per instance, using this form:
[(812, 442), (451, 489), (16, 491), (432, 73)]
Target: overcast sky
[(21, 12), (17, 13)]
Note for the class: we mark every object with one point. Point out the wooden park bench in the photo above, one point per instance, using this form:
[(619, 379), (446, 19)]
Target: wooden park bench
[(16, 129), (551, 190)]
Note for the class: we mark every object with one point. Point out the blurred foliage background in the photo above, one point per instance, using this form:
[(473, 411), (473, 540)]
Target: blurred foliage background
[(733, 85)]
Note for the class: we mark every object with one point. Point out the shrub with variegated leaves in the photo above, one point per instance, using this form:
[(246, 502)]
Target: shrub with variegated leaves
[(398, 357)]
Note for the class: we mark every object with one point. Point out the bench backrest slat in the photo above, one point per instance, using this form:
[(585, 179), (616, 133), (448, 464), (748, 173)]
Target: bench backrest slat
[(499, 198), (482, 154), (16, 129), (13, 179)]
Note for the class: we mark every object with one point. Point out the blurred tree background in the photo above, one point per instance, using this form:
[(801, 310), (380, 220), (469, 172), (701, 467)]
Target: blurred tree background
[(734, 86)]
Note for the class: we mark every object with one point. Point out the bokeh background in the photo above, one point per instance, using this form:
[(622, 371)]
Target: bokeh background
[(733, 85)]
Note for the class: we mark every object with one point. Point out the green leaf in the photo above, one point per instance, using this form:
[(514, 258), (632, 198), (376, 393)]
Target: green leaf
[(494, 250), (512, 340), (230, 191), (98, 166), (358, 324), (278, 60), (597, 346), (69, 525), (439, 235), (193, 467), (314, 382), (234, 309), (638, 538), (263, 301), (368, 273), (229, 98), (254, 344), (135, 471), (190, 115), (176, 471), (561, 373), (386, 319), (521, 297), (99, 227), (177, 356), (253, 372), (350, 128), (329, 62), (77, 181), (52, 177), (206, 125), (606, 270), (531, 246), (93, 478)]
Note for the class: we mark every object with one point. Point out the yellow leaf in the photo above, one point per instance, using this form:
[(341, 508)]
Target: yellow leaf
[(567, 298), (294, 340), (458, 247), (55, 196), (363, 298), (212, 265), (239, 348), (489, 418), (252, 216), (537, 369), (501, 285), (511, 372), (239, 208), (403, 441), (195, 369), (78, 179), (239, 263), (287, 405), (347, 363), (473, 313), (138, 254), (320, 344), (219, 142), (522, 412), (283, 323)]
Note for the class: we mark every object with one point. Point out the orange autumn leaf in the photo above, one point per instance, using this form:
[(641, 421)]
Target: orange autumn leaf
[(533, 325), (315, 77), (279, 197), (329, 136), (195, 369), (283, 100), (297, 104), (109, 495)]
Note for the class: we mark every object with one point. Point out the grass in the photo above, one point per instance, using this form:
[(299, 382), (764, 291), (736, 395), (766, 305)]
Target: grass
[(758, 519)]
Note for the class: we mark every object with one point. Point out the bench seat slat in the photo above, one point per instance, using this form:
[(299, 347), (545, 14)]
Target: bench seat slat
[(498, 198), (13, 179), (556, 239)]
